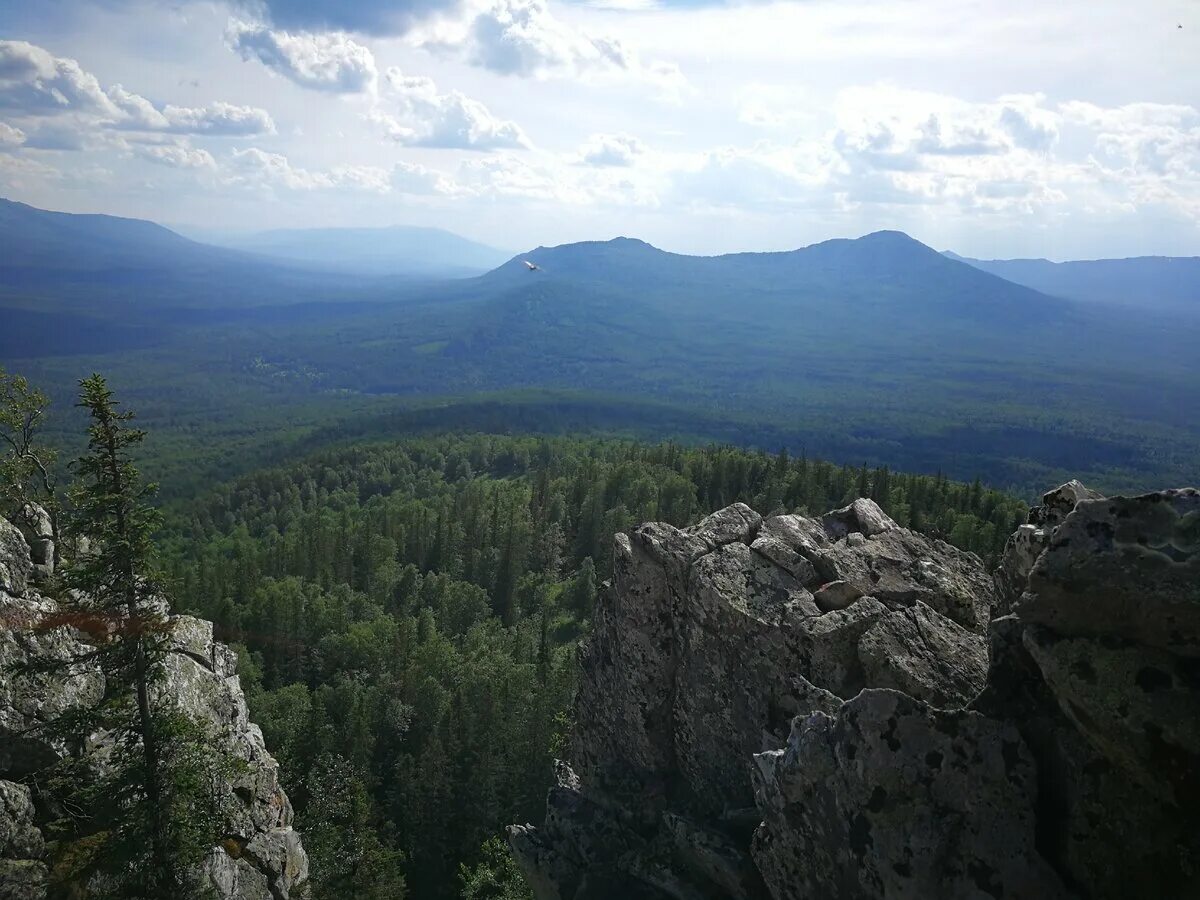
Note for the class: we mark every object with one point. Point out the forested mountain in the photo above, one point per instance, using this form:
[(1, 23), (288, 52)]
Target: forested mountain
[(876, 350), (395, 250), (1150, 283), (38, 239), (886, 268), (408, 613)]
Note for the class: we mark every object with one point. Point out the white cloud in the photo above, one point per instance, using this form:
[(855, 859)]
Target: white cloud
[(136, 111), (324, 62), (254, 167), (66, 108), (421, 116), (38, 83), (224, 119), (409, 178), (524, 38), (177, 156), (10, 137), (611, 150)]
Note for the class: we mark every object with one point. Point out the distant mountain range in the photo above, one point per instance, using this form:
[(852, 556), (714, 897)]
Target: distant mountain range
[(397, 250), (886, 272), (878, 349), (1159, 283)]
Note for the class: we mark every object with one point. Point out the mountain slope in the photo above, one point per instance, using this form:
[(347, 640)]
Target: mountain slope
[(140, 273), (887, 272), (398, 250), (37, 238), (1158, 283)]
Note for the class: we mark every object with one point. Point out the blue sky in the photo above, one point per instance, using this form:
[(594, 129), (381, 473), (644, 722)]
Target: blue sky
[(1063, 130)]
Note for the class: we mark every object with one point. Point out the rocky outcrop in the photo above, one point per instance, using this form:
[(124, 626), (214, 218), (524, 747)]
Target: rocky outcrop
[(260, 859), (839, 707)]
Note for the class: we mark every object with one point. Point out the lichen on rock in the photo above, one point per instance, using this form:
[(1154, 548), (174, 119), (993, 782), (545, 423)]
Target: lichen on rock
[(269, 862), (807, 707)]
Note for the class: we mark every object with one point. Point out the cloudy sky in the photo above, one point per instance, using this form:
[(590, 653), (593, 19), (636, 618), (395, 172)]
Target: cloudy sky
[(1025, 128)]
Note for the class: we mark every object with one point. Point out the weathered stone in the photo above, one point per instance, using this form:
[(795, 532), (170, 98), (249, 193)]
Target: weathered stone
[(899, 567), (792, 562), (892, 798), (15, 564), (38, 529), (705, 648), (23, 875), (261, 860), (924, 655), (733, 524), (30, 699), (19, 837), (836, 595), (1059, 503), (806, 536), (862, 516), (713, 859), (1135, 705), (1124, 567)]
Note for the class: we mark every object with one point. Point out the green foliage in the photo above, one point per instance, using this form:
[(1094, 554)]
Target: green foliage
[(409, 612), (148, 807), (27, 465), (348, 860), (494, 877)]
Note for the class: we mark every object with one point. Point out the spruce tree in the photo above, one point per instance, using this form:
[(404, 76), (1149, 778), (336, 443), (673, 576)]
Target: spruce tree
[(153, 792)]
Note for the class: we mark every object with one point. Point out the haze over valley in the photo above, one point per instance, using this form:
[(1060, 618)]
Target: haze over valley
[(599, 449)]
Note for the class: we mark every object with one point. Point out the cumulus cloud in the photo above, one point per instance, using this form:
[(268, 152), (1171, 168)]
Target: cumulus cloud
[(324, 62), (37, 83), (224, 119), (611, 150), (10, 136), (418, 115), (136, 111), (70, 111), (259, 168), (177, 156), (764, 176), (410, 178), (524, 38)]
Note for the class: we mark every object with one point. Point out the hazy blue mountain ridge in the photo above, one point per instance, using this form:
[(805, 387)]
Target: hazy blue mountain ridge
[(1152, 283), (395, 250)]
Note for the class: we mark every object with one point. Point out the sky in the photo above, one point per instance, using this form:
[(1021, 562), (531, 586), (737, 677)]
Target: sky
[(1062, 130)]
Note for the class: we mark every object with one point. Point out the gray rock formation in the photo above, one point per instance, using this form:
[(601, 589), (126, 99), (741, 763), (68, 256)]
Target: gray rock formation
[(838, 707), (38, 530), (260, 859)]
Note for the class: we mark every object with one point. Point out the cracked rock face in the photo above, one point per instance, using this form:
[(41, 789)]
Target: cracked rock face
[(261, 859), (837, 707)]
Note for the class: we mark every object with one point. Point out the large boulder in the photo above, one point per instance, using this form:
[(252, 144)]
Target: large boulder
[(15, 563), (807, 707), (706, 646), (38, 529), (892, 798), (1128, 567)]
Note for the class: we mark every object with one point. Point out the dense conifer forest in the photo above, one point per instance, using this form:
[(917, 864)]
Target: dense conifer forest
[(407, 614)]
